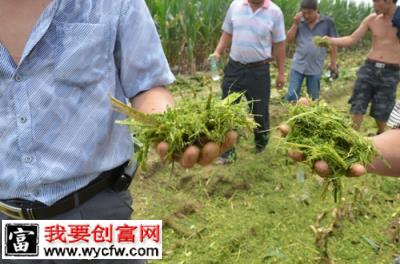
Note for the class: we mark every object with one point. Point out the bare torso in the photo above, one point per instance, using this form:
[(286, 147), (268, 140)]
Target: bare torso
[(17, 18), (385, 44)]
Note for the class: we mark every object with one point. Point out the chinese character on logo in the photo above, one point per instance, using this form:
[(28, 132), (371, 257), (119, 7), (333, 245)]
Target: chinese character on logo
[(150, 232), (22, 240), (21, 244)]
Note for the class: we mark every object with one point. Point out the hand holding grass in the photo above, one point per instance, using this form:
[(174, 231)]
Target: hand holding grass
[(323, 42), (195, 155), (193, 131), (317, 135)]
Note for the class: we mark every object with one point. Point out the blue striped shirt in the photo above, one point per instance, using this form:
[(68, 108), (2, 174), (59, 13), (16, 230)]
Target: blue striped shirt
[(57, 126), (253, 32)]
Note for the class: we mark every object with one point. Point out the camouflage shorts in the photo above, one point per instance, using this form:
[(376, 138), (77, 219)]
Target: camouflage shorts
[(378, 86)]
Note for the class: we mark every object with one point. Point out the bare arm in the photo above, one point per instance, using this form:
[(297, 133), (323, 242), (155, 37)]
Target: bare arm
[(280, 56), (291, 34), (224, 42), (333, 55), (153, 101), (388, 145), (355, 37)]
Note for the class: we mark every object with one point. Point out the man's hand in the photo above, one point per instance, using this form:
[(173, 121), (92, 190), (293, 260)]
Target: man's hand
[(321, 167), (333, 67), (280, 81), (217, 55), (297, 18), (331, 40), (203, 156)]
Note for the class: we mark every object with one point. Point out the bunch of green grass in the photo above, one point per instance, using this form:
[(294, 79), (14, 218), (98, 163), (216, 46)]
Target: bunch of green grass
[(189, 122), (321, 42), (322, 133)]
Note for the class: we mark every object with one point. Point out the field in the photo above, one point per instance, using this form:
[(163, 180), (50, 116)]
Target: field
[(263, 208), (260, 210), (190, 30)]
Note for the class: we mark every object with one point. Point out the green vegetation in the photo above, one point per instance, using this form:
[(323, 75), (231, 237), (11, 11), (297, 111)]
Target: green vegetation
[(320, 132), (321, 42), (264, 208), (190, 30), (189, 122)]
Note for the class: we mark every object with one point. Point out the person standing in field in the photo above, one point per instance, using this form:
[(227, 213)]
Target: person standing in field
[(308, 60), (379, 76), (252, 29)]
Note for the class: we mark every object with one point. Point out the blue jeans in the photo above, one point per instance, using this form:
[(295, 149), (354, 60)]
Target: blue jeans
[(313, 83)]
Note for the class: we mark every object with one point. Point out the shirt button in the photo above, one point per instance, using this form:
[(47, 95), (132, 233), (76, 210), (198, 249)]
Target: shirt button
[(18, 78), (23, 119), (27, 159)]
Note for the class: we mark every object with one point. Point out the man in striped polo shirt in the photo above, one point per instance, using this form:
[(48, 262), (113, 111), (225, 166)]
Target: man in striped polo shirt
[(252, 29)]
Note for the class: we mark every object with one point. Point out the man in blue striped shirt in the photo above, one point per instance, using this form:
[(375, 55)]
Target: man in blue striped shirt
[(61, 153)]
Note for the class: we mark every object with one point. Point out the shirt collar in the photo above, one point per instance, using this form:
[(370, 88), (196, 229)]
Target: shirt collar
[(265, 5), (321, 19)]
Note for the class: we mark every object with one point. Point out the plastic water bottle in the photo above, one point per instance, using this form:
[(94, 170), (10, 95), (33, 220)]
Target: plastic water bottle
[(214, 68), (331, 76)]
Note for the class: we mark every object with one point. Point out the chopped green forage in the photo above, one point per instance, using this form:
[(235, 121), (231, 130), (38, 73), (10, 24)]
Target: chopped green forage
[(321, 42), (322, 133), (190, 122)]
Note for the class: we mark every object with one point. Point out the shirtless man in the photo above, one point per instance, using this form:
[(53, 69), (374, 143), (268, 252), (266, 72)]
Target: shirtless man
[(378, 77)]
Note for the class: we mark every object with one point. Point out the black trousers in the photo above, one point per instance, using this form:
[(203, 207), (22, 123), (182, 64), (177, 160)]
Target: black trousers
[(255, 82)]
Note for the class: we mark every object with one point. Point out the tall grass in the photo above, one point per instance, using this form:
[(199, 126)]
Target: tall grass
[(190, 29)]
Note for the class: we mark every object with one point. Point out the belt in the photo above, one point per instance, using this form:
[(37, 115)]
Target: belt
[(383, 65), (41, 211), (250, 64)]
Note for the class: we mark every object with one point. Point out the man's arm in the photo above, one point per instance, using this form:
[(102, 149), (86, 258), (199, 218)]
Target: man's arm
[(280, 56), (353, 38), (333, 55), (154, 100), (388, 145), (224, 42), (291, 34)]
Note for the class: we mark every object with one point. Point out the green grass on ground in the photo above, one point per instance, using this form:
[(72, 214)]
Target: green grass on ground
[(259, 210)]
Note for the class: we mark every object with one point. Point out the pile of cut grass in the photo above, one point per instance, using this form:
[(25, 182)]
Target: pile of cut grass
[(190, 122), (320, 132)]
